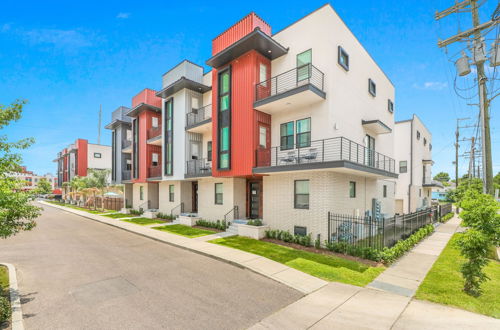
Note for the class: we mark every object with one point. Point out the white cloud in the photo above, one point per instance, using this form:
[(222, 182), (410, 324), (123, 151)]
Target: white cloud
[(60, 38), (123, 15), (432, 85)]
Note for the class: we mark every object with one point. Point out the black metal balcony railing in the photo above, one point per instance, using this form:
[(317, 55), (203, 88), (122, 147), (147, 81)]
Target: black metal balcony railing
[(333, 149), (198, 167), (154, 132), (299, 76), (126, 175), (154, 171), (198, 115), (126, 144)]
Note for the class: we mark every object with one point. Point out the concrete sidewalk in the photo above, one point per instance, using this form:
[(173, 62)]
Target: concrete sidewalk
[(295, 279), (386, 303)]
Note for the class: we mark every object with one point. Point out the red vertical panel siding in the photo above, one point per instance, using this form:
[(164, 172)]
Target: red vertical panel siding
[(65, 166), (145, 149), (246, 25), (147, 96), (82, 157)]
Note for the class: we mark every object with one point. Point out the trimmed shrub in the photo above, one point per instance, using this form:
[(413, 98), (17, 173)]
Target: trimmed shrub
[(136, 212), (221, 225), (285, 236), (255, 222), (165, 216), (5, 309), (389, 255), (446, 217)]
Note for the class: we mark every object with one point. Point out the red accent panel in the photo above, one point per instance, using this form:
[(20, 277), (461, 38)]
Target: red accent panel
[(246, 25), (147, 96), (244, 122), (82, 157), (145, 150)]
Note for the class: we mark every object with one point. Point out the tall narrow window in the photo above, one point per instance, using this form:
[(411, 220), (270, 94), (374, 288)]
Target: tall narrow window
[(304, 61), (263, 74), (343, 58), (384, 191), (304, 133), (224, 120), (171, 189), (169, 137), (113, 155), (352, 189), (286, 136), (154, 122), (209, 151), (135, 148), (301, 194), (370, 152), (141, 193), (154, 159), (372, 87), (218, 194), (403, 166), (263, 136), (390, 106)]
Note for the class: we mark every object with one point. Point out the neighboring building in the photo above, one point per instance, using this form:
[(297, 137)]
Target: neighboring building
[(287, 127), (121, 145), (413, 146), (31, 179), (78, 158)]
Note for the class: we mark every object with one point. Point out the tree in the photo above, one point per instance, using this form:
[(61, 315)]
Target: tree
[(16, 211), (43, 187), (496, 181), (456, 195), (98, 180), (442, 177)]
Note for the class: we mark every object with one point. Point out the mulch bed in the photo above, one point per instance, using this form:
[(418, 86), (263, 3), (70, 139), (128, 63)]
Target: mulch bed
[(312, 249), (209, 228)]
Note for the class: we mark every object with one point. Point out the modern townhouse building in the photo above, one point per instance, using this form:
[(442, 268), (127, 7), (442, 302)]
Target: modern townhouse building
[(285, 127), (413, 153), (121, 145), (78, 158), (32, 179)]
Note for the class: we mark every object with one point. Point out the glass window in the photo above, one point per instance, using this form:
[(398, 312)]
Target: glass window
[(194, 103), (218, 194), (154, 159), (169, 137), (299, 230), (209, 150), (352, 189), (385, 191), (418, 135), (195, 150), (304, 133), (263, 74), (403, 166), (343, 58), (171, 190), (372, 87), (128, 165), (303, 67), (154, 122), (390, 106), (425, 141), (224, 161), (263, 136), (224, 103), (224, 139), (141, 193), (301, 192), (224, 120), (97, 155), (225, 82), (430, 146), (286, 136), (129, 135)]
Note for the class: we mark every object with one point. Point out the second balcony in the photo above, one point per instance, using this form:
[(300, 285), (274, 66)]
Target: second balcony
[(301, 86), (199, 120), (154, 136)]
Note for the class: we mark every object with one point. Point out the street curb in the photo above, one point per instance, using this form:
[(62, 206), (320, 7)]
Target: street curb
[(15, 300), (231, 262)]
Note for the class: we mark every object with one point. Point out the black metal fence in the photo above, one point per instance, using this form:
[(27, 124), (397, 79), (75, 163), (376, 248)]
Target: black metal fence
[(327, 150), (198, 167), (302, 75), (197, 116), (365, 231)]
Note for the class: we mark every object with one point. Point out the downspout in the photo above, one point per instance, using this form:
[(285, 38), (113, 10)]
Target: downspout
[(411, 166)]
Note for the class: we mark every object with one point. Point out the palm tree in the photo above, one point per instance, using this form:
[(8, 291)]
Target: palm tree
[(98, 179)]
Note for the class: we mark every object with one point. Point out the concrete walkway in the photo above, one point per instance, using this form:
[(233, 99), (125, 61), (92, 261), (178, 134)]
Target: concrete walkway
[(386, 303), (295, 279)]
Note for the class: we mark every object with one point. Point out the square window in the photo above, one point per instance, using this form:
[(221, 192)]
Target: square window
[(403, 166), (343, 58), (352, 189), (390, 106), (218, 194), (97, 155), (301, 194), (299, 230), (372, 87)]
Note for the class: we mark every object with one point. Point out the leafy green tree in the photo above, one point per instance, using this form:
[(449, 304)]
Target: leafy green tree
[(43, 187), (16, 211), (442, 177), (496, 181), (456, 195)]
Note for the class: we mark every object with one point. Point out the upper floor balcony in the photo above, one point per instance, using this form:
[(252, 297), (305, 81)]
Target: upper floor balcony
[(198, 168), (154, 172), (301, 86), (126, 144), (126, 175), (337, 153), (199, 120), (154, 135)]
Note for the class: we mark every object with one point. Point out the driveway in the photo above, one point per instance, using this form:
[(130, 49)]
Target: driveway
[(75, 273)]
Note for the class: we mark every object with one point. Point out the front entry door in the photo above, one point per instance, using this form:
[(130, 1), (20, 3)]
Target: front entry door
[(255, 199), (195, 197)]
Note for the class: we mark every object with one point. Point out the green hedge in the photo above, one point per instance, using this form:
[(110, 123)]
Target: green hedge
[(165, 216), (221, 225), (446, 217), (5, 310), (286, 236)]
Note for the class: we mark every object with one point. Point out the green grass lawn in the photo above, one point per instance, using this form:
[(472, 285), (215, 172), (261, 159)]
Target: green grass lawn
[(119, 215), (185, 231), (80, 208), (4, 280), (329, 268), (444, 284), (143, 221)]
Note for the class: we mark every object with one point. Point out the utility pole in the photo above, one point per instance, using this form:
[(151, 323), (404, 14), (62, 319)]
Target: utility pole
[(457, 146), (99, 128), (479, 58)]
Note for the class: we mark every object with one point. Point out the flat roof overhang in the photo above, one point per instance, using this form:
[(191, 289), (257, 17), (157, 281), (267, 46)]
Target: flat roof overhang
[(154, 179), (140, 108), (180, 84), (338, 166), (115, 123), (256, 40), (155, 140), (376, 126), (433, 184), (427, 161), (291, 99)]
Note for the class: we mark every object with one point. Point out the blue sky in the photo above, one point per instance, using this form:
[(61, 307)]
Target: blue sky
[(67, 59)]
